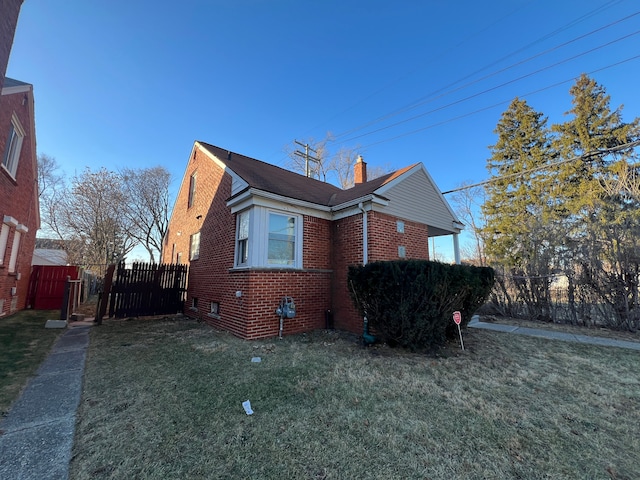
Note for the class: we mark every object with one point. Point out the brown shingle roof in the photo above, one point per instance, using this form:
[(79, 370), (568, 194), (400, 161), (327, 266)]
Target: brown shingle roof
[(272, 179)]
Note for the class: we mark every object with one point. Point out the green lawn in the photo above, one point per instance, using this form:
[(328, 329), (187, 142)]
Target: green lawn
[(162, 400), (24, 344)]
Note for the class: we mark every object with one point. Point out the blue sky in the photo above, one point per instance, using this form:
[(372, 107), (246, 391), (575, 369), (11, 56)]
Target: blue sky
[(134, 83)]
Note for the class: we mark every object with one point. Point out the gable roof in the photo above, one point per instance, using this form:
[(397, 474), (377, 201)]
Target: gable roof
[(270, 178), (406, 186)]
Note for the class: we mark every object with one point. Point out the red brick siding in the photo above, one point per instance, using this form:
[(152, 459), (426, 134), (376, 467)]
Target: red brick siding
[(347, 250), (18, 200), (384, 238), (8, 20)]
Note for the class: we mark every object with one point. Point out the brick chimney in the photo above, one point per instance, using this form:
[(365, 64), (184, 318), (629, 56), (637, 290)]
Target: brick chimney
[(360, 171)]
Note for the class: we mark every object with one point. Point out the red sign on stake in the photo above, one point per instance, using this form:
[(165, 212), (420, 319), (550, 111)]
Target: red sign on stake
[(457, 318)]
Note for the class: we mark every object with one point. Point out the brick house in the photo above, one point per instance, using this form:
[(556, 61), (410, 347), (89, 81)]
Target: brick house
[(254, 233), (19, 207)]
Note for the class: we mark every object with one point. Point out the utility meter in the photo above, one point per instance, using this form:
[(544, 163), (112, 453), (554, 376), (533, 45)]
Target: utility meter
[(287, 308)]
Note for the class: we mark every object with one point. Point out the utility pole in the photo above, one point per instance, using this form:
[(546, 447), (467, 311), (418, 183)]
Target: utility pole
[(306, 156)]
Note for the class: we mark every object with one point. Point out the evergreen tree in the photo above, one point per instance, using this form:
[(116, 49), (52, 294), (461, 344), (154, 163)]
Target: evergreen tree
[(517, 232), (599, 248)]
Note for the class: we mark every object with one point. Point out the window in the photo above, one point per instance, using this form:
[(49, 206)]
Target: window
[(192, 189), (282, 240), (402, 252), (194, 248), (4, 238), (179, 258), (214, 309), (14, 251), (400, 226), (268, 238), (194, 303), (14, 145), (242, 229)]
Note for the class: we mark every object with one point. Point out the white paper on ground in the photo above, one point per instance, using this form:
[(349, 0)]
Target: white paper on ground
[(256, 359), (247, 407)]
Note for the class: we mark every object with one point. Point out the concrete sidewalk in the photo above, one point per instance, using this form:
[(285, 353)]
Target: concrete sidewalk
[(36, 437), (553, 335)]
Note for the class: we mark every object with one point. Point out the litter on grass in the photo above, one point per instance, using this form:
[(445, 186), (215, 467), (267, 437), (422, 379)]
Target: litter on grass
[(256, 359), (247, 407)]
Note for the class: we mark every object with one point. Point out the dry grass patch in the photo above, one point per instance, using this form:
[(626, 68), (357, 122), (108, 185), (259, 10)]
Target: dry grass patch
[(24, 344), (163, 400)]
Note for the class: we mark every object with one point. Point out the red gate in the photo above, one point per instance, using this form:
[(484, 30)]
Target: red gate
[(46, 286)]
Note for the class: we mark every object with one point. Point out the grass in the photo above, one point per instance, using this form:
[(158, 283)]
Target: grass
[(163, 400), (24, 344)]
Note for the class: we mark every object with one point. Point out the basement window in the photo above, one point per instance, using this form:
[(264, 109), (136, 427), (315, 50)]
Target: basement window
[(214, 309), (194, 304)]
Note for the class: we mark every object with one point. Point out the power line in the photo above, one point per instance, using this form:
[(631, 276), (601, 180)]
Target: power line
[(413, 132), (584, 156), (431, 97), (469, 97)]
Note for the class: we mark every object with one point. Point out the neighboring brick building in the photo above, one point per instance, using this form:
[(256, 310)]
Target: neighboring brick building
[(19, 208), (9, 11), (254, 233)]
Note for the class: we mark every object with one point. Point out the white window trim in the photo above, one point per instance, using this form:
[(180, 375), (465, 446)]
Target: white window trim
[(4, 241), (11, 155), (237, 261), (194, 246), (258, 244), (14, 251)]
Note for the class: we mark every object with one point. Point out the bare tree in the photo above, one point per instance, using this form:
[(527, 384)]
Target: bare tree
[(147, 193), (93, 213), (467, 203)]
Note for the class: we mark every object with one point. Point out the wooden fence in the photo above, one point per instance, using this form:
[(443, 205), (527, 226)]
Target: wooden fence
[(144, 289)]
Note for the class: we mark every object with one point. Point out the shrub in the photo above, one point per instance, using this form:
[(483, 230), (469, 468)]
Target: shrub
[(410, 303)]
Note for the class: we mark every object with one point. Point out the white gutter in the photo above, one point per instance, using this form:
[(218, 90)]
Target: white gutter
[(365, 253)]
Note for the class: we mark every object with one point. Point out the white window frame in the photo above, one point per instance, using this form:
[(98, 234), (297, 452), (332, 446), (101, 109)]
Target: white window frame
[(242, 255), (294, 260), (14, 251), (194, 246), (11, 154), (257, 241), (4, 240)]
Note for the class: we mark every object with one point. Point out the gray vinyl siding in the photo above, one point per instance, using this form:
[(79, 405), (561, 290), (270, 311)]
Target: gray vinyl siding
[(416, 199)]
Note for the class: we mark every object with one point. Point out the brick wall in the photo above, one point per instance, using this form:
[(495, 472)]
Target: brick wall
[(384, 238), (9, 10), (347, 250), (18, 200)]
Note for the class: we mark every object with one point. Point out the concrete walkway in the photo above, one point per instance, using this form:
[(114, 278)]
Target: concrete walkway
[(36, 437), (553, 335)]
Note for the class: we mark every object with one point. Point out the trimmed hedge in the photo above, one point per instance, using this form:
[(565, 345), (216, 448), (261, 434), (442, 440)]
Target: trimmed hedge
[(410, 303)]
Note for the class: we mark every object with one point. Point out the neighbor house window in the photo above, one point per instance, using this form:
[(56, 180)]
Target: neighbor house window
[(4, 238), (282, 240), (402, 251), (194, 303), (400, 226), (13, 147), (14, 251), (192, 189), (242, 238), (194, 248), (179, 258)]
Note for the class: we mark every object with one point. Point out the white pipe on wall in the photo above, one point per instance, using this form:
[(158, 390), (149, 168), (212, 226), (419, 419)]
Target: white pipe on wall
[(365, 252)]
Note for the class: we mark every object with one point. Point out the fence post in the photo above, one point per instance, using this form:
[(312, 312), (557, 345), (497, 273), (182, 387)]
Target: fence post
[(64, 312)]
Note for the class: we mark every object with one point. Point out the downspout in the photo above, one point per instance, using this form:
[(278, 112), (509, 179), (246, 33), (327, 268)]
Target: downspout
[(365, 252)]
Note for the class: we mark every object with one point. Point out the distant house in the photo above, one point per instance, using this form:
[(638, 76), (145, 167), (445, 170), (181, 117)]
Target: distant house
[(49, 252), (254, 233)]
